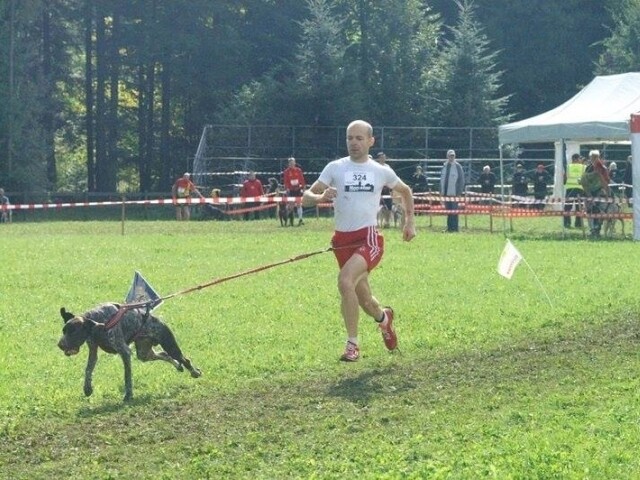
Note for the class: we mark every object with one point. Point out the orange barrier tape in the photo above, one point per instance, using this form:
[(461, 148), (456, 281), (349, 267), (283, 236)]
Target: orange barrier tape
[(465, 206), (161, 201)]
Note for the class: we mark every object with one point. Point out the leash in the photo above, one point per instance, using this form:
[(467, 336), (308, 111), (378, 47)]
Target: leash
[(249, 272), (122, 309)]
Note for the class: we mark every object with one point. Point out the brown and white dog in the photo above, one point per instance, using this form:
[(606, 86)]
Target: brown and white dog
[(113, 329)]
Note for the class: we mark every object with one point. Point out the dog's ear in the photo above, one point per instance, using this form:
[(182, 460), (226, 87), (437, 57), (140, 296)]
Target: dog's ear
[(66, 316)]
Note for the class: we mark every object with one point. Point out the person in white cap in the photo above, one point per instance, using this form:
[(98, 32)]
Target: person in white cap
[(487, 180), (183, 188), (451, 185)]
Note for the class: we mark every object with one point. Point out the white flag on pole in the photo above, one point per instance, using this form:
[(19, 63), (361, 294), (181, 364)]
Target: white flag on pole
[(509, 260)]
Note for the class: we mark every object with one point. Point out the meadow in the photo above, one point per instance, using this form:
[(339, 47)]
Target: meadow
[(490, 380)]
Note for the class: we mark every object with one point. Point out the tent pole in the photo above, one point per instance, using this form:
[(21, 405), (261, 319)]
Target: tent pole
[(634, 125), (504, 219)]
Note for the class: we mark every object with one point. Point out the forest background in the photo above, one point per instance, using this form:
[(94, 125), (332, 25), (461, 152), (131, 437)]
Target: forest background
[(112, 95)]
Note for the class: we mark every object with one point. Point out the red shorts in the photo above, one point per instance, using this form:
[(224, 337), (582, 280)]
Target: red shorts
[(366, 242)]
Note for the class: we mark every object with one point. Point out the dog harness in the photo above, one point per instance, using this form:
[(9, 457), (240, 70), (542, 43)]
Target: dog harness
[(115, 320)]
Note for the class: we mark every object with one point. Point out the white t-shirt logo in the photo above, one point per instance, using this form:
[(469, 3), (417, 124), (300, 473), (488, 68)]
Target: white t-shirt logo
[(358, 181)]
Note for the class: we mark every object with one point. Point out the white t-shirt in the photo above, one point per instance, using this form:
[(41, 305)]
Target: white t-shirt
[(358, 186)]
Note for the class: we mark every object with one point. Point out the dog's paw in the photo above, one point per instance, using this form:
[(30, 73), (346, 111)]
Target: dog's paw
[(88, 390), (196, 372), (128, 397)]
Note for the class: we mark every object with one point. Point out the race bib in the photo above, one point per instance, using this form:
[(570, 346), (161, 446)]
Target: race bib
[(355, 181)]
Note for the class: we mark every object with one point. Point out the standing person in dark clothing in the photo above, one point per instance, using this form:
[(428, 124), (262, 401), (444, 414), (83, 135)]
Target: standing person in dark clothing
[(627, 179), (271, 191), (5, 213), (540, 184), (520, 185), (419, 180), (487, 180), (386, 202), (451, 185)]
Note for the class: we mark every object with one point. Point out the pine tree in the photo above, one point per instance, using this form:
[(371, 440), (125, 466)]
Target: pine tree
[(461, 90), (320, 72), (622, 49)]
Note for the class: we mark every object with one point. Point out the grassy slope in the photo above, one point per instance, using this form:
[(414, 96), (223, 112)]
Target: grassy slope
[(491, 380)]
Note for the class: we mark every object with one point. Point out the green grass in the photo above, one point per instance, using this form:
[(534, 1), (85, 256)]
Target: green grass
[(490, 381)]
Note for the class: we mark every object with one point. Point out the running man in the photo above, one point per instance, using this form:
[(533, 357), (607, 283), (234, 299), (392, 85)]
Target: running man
[(354, 184)]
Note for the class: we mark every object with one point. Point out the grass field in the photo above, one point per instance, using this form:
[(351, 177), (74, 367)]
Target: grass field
[(491, 381)]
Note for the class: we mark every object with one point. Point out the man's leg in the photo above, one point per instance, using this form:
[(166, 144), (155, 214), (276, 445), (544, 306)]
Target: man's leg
[(454, 205), (351, 274), (566, 219), (578, 221), (383, 317), (366, 300)]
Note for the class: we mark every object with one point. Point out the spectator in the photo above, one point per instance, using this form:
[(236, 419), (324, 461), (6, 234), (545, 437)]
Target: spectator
[(354, 184), (627, 179), (540, 184), (215, 211), (615, 177), (573, 190), (451, 185), (520, 186), (182, 189), (614, 172), (595, 182), (5, 213), (252, 187), (420, 181), (294, 184), (386, 202), (273, 189), (487, 180)]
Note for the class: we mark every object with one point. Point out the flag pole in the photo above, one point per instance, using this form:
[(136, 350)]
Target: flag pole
[(538, 281), (509, 260)]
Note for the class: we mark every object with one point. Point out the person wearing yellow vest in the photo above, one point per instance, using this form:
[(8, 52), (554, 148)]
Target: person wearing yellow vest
[(573, 190)]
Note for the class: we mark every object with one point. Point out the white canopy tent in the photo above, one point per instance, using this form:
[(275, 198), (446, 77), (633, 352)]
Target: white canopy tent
[(600, 112)]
